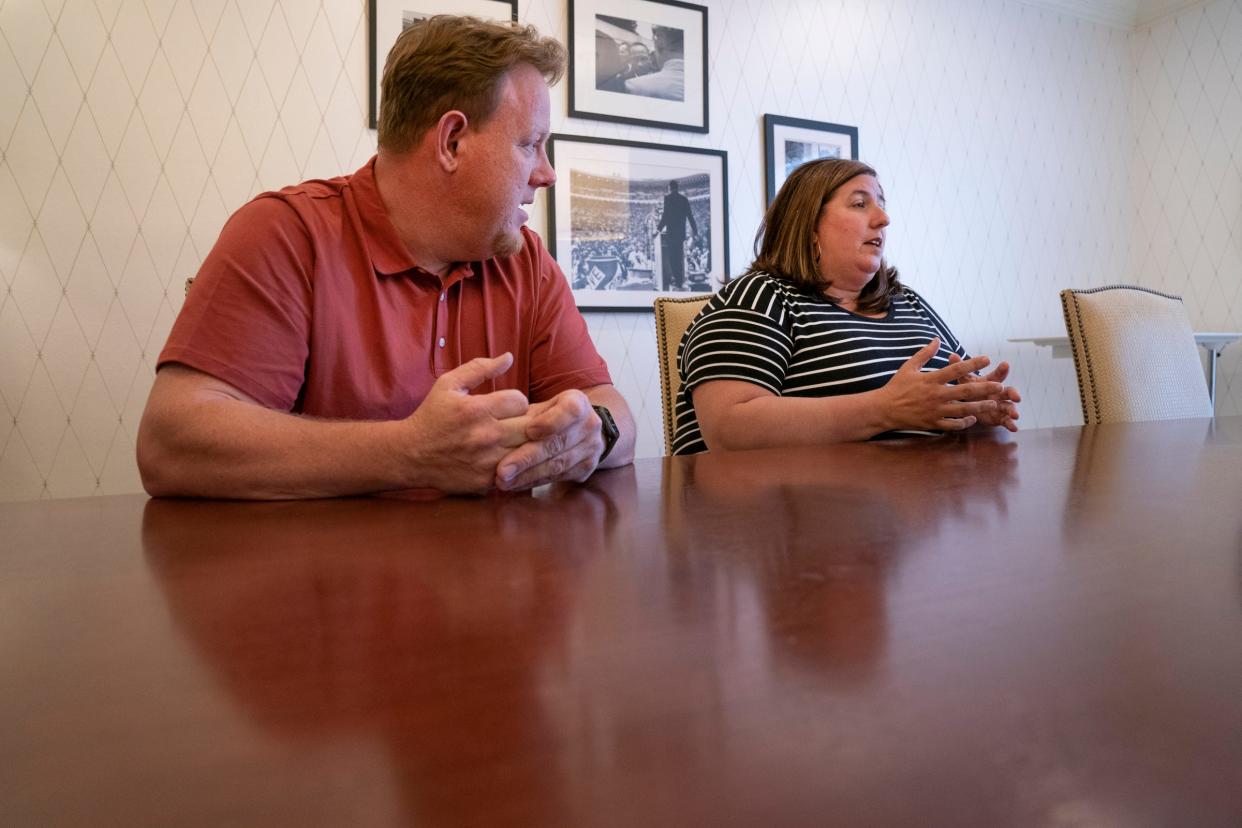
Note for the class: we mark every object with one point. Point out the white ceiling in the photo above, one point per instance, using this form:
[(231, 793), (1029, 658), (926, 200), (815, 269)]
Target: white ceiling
[(1122, 14)]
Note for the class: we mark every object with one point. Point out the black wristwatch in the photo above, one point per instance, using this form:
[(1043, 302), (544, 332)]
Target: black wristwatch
[(608, 428)]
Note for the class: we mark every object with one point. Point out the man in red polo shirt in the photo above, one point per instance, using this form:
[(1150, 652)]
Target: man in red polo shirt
[(398, 327)]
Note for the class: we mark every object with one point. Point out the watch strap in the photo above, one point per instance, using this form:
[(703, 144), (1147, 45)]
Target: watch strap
[(608, 428)]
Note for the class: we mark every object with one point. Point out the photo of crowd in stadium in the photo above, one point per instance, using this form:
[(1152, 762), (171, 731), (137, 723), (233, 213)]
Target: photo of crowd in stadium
[(640, 235), (628, 221)]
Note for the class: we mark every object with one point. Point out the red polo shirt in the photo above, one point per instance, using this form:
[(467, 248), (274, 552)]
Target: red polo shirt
[(310, 303)]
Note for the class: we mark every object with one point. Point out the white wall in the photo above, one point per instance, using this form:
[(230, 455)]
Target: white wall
[(1187, 171), (1005, 136)]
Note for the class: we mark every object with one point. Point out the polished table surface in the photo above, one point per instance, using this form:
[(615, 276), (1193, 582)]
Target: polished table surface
[(1036, 629)]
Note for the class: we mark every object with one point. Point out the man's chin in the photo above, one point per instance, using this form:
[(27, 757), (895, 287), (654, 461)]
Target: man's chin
[(508, 243)]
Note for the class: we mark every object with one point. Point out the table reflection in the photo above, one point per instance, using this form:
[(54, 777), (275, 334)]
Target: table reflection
[(325, 620), (1126, 468), (821, 532), (757, 638)]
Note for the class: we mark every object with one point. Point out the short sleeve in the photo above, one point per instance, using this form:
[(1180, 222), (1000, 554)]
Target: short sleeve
[(949, 340), (562, 355), (744, 333), (247, 319)]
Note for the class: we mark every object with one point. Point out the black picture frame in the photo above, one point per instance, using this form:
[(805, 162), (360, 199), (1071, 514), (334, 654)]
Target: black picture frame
[(781, 132), (623, 64), (611, 220), (386, 19)]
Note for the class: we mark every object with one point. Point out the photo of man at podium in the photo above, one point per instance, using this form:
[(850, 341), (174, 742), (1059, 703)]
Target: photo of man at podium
[(672, 231), (638, 232)]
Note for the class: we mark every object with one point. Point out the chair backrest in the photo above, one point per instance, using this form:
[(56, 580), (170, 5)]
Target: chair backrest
[(1135, 355), (672, 316)]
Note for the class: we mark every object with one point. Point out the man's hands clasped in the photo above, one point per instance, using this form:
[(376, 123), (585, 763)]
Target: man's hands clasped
[(471, 443), (564, 441), (952, 398), (466, 443)]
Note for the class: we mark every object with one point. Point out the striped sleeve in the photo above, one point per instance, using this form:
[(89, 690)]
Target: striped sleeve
[(744, 333), (946, 335)]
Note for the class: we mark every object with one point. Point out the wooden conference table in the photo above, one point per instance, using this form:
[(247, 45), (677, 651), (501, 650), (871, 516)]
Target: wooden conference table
[(1038, 629)]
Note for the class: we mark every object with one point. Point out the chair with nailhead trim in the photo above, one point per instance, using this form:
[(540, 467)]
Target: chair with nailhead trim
[(1135, 355)]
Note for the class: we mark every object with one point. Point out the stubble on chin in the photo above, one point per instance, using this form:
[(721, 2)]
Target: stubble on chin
[(507, 243)]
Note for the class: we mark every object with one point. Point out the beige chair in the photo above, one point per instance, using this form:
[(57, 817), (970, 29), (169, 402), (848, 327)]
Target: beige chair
[(672, 316), (1135, 355)]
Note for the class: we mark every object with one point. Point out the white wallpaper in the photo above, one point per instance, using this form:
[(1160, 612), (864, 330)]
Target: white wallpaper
[(1186, 172), (1022, 151)]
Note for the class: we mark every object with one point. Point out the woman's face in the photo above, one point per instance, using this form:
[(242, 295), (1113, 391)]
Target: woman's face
[(850, 234)]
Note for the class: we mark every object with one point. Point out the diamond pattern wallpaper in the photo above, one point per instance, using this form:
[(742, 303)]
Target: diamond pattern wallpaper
[(1023, 150)]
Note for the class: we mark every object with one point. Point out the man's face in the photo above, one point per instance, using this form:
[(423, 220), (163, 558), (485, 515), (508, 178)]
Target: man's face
[(506, 161)]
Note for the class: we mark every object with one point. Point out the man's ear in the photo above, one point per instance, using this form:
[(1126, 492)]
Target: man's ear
[(449, 132)]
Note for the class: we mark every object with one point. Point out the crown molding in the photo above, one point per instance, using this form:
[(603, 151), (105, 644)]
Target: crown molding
[(1119, 14), (1153, 11), (1127, 15)]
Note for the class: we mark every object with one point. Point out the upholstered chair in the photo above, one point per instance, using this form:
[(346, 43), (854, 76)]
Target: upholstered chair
[(672, 316), (1135, 355)]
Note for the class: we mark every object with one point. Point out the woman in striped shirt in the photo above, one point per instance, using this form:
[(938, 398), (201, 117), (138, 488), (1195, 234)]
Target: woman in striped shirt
[(819, 342)]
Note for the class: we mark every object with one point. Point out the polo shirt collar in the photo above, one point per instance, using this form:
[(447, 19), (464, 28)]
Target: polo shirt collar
[(389, 255)]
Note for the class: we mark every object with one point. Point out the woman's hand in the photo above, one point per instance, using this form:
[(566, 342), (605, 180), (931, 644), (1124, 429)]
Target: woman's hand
[(944, 399), (1007, 410)]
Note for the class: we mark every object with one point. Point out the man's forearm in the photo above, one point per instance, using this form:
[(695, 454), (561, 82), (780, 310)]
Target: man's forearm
[(232, 449), (201, 437)]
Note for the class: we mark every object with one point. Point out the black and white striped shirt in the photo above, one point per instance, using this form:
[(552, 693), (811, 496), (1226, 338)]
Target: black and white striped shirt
[(763, 330)]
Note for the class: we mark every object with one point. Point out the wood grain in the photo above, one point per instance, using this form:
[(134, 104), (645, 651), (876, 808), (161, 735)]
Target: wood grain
[(1036, 629)]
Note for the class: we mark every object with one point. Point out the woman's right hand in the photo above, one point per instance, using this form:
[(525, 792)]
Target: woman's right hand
[(929, 400)]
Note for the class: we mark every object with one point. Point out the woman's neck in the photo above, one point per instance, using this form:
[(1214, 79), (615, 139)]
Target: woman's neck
[(849, 302), (844, 299)]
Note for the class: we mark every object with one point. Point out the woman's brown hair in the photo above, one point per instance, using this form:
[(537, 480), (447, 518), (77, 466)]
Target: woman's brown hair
[(447, 62), (785, 243)]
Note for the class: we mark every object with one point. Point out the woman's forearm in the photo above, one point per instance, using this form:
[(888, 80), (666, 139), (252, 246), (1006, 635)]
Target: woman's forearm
[(768, 421)]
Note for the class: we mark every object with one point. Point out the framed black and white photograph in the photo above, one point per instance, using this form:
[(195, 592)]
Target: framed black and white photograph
[(630, 221), (791, 142), (389, 18), (639, 62)]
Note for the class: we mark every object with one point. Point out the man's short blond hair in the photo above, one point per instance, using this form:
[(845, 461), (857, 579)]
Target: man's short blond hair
[(447, 63)]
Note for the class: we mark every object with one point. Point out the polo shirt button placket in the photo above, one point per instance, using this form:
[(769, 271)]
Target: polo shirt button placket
[(439, 334)]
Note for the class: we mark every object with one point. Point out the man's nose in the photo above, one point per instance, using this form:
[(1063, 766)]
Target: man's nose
[(544, 175)]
